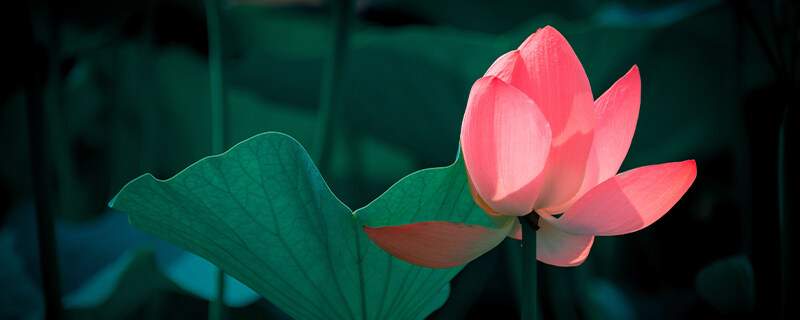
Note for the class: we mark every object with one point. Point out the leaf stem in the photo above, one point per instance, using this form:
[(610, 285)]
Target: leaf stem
[(342, 12), (772, 57), (529, 266), (41, 90), (216, 310), (149, 130), (41, 169), (215, 76), (782, 224), (217, 93)]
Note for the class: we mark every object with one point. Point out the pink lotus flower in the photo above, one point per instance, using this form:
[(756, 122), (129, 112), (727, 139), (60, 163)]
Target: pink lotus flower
[(535, 142)]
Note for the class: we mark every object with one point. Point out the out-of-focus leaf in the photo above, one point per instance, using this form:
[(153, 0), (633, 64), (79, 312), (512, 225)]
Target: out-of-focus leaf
[(250, 114), (490, 16), (188, 272), (289, 80), (276, 3), (79, 253), (198, 276), (285, 32), (471, 287), (278, 52), (608, 301), (20, 298), (263, 213), (90, 269), (101, 285), (15, 165), (618, 14), (184, 113), (139, 285), (410, 86), (728, 284)]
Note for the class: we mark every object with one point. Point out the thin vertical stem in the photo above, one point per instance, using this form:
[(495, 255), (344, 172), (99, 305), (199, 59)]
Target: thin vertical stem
[(149, 133), (342, 12), (217, 307), (529, 268), (773, 59), (782, 224), (216, 310), (41, 64), (776, 34), (215, 76), (742, 162), (794, 45)]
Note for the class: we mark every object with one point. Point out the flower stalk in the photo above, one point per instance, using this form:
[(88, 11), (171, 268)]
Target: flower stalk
[(215, 76), (41, 94), (529, 270), (782, 224), (216, 309), (342, 12)]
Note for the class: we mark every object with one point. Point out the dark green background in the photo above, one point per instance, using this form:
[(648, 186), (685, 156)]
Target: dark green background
[(124, 87)]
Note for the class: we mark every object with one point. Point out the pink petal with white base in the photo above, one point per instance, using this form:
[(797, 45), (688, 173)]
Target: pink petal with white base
[(556, 247), (561, 249), (516, 231), (629, 201), (505, 141), (497, 220)]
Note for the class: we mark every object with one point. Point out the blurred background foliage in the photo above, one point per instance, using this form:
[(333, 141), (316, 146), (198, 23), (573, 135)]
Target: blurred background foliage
[(125, 90)]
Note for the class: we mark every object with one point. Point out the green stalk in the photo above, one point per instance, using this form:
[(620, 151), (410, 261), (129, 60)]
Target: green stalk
[(782, 225), (149, 130), (216, 309), (41, 168), (529, 270), (215, 77), (41, 92), (342, 12)]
